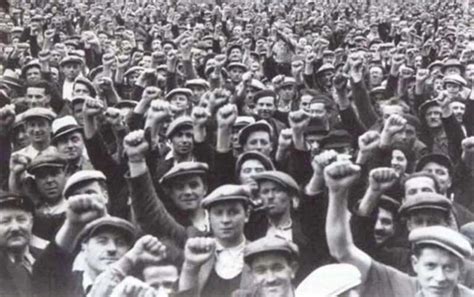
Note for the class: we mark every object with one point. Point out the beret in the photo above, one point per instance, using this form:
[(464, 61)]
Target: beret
[(178, 123), (443, 237), (225, 193), (8, 199), (436, 158), (197, 82), (279, 177), (270, 244), (82, 176), (257, 126), (185, 168), (39, 112), (455, 79), (93, 227), (425, 201), (63, 126), (184, 91), (330, 281), (47, 160)]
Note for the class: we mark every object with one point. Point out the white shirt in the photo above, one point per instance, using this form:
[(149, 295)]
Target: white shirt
[(284, 231), (229, 261)]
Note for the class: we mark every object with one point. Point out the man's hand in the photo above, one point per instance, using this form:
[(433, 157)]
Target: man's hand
[(422, 75), (49, 34), (18, 164), (226, 116), (185, 48), (198, 250), (93, 107), (369, 141), (397, 62), (394, 124), (133, 287), (123, 62), (200, 116), (299, 120), (172, 60), (112, 116), (159, 111), (340, 175), (84, 208), (340, 82), (322, 160), (108, 59), (285, 138), (135, 146), (7, 116), (382, 178), (356, 72), (444, 101), (147, 250)]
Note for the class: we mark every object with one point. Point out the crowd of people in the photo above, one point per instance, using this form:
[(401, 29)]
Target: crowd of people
[(236, 148)]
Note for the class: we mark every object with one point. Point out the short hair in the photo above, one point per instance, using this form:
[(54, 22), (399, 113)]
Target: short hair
[(422, 174)]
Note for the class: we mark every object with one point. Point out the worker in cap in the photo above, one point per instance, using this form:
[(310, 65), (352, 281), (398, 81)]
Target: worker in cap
[(263, 132), (198, 86), (239, 124), (452, 66), (20, 138), (437, 245), (83, 87), (331, 280), (236, 70), (454, 84), (324, 75), (38, 122), (339, 140), (180, 98), (71, 67), (31, 72)]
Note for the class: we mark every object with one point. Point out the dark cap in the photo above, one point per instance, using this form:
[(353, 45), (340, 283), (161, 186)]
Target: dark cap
[(91, 229), (257, 126), (185, 168), (424, 107), (263, 94), (435, 158), (51, 160), (425, 201), (80, 177), (253, 155), (280, 178), (13, 200), (270, 244), (177, 124), (336, 139), (223, 194)]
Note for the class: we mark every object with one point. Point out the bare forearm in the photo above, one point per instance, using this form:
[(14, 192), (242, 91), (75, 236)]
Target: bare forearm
[(369, 202)]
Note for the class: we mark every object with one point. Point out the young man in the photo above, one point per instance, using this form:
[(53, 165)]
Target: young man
[(435, 248)]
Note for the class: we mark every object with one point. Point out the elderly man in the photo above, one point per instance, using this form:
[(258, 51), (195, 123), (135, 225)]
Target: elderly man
[(435, 247)]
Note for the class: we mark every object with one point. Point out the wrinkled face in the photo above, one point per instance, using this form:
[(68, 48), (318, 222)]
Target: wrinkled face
[(33, 74), (259, 141), (274, 273), (406, 138), (187, 192), (80, 90), (36, 97), (438, 271), (180, 101), (16, 226), (433, 117), (20, 137), (38, 130), (420, 184), (249, 169), (304, 102), (275, 198), (458, 108), (71, 70), (227, 220), (376, 76), (399, 162), (104, 248), (182, 141), (235, 74), (384, 226), (441, 173), (265, 107), (425, 218), (50, 182), (161, 278), (71, 145)]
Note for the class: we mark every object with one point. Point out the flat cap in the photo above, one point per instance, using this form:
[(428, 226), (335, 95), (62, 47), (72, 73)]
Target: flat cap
[(389, 204), (435, 158), (237, 65), (185, 168), (30, 64), (330, 281), (452, 63), (270, 243), (47, 160), (425, 201), (264, 94), (63, 126), (80, 177), (82, 80), (434, 64), (325, 67), (39, 112), (225, 193), (71, 59), (443, 237), (455, 79), (13, 200), (279, 177), (253, 155), (256, 84), (197, 82), (243, 121), (183, 91), (424, 107), (257, 126), (288, 81), (336, 139), (91, 229), (126, 104), (133, 70), (179, 123)]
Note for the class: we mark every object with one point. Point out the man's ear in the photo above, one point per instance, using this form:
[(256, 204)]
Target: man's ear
[(414, 262)]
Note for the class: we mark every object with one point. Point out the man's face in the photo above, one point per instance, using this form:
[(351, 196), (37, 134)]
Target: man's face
[(249, 169), (16, 226), (259, 141), (458, 108), (326, 78), (20, 137), (441, 173), (419, 184), (33, 74), (452, 89), (104, 249), (399, 162), (304, 102), (275, 198), (38, 129), (36, 97), (227, 220), (470, 72), (71, 70), (376, 76), (77, 109), (91, 188), (80, 90), (384, 226), (425, 218), (235, 74), (187, 192), (71, 145), (182, 141), (50, 182), (265, 107), (438, 271), (318, 110), (180, 101), (273, 272), (406, 138), (161, 277)]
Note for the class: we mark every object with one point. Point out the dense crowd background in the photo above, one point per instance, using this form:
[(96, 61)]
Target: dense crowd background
[(236, 148)]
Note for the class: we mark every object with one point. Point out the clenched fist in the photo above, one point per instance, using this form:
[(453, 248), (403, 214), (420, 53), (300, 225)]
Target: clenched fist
[(147, 250), (135, 146), (339, 176), (382, 178), (198, 250), (85, 208)]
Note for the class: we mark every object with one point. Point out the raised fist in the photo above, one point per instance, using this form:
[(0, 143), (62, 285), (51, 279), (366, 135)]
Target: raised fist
[(340, 82), (247, 76), (198, 250), (135, 146), (310, 58), (369, 141), (382, 178), (112, 116), (285, 139), (200, 115), (151, 93), (394, 124), (93, 107), (443, 99), (340, 175), (108, 59), (49, 34), (133, 287), (85, 208), (322, 160), (7, 115), (226, 116), (159, 111), (19, 163), (123, 61), (299, 120), (44, 56), (422, 75), (146, 251)]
